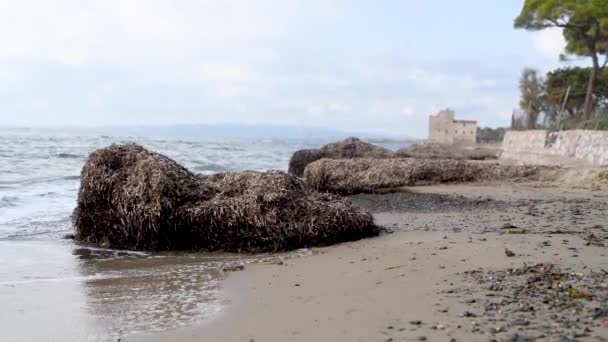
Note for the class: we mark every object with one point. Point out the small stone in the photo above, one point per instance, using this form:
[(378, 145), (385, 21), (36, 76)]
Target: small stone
[(421, 338)]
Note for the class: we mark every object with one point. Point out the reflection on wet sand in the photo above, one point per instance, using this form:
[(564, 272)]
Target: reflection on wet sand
[(70, 293), (150, 293), (58, 291)]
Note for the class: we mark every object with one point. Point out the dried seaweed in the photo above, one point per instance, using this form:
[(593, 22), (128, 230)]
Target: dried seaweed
[(132, 198), (448, 151), (364, 175), (346, 149)]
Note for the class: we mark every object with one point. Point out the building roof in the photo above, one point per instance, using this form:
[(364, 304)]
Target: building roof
[(466, 121)]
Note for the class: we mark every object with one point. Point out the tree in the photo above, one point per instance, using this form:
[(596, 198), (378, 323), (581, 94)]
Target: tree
[(585, 28), (532, 96), (575, 79)]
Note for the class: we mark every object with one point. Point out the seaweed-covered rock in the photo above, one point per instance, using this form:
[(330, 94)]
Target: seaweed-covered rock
[(345, 149), (132, 198), (349, 176)]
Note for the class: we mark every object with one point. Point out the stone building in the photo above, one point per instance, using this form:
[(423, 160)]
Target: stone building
[(443, 128)]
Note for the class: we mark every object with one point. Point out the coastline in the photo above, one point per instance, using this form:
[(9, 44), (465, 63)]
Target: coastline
[(411, 285)]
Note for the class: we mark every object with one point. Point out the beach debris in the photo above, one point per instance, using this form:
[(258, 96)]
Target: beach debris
[(602, 310), (132, 198), (509, 253), (278, 262), (233, 268), (366, 175), (509, 226), (541, 298), (580, 293), (468, 314), (393, 267), (592, 240), (349, 148)]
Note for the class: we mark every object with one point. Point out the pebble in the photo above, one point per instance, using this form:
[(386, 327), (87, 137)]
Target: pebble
[(468, 314)]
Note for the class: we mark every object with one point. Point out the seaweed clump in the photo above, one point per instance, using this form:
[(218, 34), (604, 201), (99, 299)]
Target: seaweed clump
[(345, 149), (449, 151), (132, 198), (363, 175)]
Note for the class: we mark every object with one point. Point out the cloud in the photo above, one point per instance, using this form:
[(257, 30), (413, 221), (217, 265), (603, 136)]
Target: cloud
[(311, 62), (141, 31), (549, 43)]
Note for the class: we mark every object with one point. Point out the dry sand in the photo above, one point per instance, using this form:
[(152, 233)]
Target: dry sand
[(417, 283)]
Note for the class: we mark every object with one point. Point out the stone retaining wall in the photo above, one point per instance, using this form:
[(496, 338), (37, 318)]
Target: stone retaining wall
[(542, 147)]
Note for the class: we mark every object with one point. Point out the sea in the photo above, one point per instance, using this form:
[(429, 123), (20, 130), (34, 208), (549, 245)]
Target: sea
[(53, 289)]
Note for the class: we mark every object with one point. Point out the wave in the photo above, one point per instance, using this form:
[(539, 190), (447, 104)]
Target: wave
[(39, 180), (69, 156), (209, 167), (8, 201), (21, 229), (60, 279)]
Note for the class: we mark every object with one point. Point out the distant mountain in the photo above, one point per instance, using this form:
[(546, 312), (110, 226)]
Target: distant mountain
[(242, 131)]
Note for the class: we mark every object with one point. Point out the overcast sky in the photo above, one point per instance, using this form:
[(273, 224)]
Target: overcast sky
[(355, 65)]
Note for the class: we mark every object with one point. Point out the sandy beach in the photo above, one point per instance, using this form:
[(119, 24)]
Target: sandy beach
[(511, 262)]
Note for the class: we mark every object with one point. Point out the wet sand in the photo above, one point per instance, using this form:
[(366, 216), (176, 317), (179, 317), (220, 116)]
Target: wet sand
[(462, 264), (55, 290)]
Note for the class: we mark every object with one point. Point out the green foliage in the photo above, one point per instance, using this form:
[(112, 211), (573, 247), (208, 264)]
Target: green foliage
[(585, 28), (558, 81), (598, 122), (585, 22), (542, 98)]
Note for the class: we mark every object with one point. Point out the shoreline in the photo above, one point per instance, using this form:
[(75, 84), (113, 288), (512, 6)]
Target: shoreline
[(412, 284)]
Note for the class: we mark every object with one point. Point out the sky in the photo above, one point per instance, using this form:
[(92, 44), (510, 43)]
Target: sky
[(374, 65)]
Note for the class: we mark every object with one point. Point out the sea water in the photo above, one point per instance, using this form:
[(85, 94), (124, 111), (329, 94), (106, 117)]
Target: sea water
[(54, 289)]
